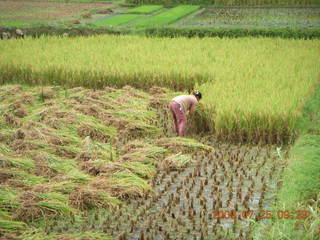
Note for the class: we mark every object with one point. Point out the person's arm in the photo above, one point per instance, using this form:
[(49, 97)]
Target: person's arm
[(192, 110)]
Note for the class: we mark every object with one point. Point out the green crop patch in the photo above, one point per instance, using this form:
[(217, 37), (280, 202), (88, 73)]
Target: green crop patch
[(167, 17), (118, 20), (145, 9)]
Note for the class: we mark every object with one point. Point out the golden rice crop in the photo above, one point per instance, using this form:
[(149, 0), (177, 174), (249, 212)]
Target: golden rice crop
[(252, 87)]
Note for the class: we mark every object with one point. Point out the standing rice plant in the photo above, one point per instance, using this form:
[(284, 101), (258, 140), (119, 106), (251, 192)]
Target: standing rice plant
[(254, 87)]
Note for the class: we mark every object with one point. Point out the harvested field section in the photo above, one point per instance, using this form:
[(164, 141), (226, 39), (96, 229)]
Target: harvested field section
[(186, 202), (33, 11), (77, 155)]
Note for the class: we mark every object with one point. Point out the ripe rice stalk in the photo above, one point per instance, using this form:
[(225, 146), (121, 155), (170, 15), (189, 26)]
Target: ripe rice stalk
[(176, 161), (126, 183), (183, 143), (12, 226), (255, 86), (141, 169)]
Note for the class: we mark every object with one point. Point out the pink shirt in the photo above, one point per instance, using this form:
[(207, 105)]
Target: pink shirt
[(187, 102)]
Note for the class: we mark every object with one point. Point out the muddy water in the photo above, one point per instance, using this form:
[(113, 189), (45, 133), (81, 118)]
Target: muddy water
[(216, 197), (185, 203)]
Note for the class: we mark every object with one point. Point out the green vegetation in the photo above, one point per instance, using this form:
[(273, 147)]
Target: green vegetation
[(145, 9), (14, 24), (118, 20), (248, 17), (301, 180), (69, 157), (254, 73), (231, 2), (82, 0), (168, 16), (76, 236), (234, 32)]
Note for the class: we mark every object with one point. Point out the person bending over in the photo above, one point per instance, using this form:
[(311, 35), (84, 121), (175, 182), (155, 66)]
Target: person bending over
[(179, 107)]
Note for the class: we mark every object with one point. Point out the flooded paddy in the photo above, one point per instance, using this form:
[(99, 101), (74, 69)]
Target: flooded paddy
[(219, 195)]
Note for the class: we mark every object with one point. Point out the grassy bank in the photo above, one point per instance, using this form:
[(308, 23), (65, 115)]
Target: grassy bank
[(230, 2), (233, 32), (300, 190), (254, 73)]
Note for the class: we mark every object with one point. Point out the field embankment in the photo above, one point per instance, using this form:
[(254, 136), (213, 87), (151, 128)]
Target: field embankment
[(300, 182), (231, 2), (254, 89)]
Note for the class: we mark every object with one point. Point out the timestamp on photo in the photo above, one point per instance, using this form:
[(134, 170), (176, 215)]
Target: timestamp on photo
[(260, 214)]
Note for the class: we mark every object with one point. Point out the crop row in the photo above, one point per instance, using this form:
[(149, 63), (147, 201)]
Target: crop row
[(167, 17), (252, 88), (163, 18), (118, 20), (145, 9)]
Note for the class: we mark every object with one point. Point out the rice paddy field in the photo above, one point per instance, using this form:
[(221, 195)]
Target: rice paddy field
[(269, 79), (307, 17)]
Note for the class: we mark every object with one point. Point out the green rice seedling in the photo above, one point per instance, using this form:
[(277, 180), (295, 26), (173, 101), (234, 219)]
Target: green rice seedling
[(141, 169), (145, 9), (12, 226), (118, 20), (168, 16)]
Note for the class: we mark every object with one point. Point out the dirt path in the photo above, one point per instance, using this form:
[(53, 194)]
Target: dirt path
[(239, 178)]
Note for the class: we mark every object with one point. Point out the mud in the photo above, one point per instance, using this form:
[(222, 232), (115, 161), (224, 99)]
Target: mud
[(184, 202), (237, 180)]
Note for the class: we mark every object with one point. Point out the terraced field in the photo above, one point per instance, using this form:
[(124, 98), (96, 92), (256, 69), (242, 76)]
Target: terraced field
[(307, 17), (168, 16), (145, 9), (87, 148), (118, 20)]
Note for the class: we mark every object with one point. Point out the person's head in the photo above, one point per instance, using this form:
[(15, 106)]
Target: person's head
[(197, 94)]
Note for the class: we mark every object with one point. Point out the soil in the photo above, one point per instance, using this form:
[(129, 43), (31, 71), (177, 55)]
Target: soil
[(238, 178), (183, 200), (26, 11)]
